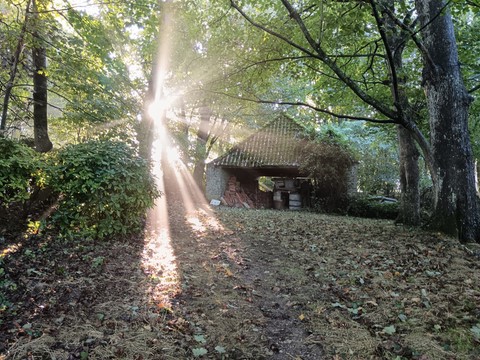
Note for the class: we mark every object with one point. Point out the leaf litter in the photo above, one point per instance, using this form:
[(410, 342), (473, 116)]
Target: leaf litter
[(262, 284)]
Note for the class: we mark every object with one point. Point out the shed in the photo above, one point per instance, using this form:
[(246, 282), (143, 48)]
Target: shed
[(271, 152)]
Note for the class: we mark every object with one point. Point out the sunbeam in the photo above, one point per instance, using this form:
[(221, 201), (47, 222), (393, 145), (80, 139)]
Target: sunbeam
[(159, 261), (178, 188)]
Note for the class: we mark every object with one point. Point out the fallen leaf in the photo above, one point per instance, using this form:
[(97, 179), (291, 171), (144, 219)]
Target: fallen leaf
[(197, 352), (200, 338), (220, 349), (389, 330)]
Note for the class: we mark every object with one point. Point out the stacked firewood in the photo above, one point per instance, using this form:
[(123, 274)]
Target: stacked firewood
[(261, 199), (235, 196)]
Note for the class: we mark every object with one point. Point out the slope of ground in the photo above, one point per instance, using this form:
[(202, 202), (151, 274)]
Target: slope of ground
[(242, 284)]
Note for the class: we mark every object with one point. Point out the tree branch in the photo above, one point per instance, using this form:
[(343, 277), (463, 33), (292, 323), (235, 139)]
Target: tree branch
[(300, 103), (319, 54), (414, 37), (475, 88), (391, 63)]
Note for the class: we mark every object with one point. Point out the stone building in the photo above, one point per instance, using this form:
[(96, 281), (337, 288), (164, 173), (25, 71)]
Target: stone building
[(270, 152)]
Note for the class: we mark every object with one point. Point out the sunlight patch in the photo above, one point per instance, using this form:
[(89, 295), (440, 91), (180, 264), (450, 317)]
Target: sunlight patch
[(10, 250)]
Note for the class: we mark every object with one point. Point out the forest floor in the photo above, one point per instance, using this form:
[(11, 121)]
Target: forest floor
[(241, 284)]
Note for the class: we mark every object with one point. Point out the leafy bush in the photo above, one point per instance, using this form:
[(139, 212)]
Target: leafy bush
[(371, 207), (20, 172), (105, 189), (328, 160)]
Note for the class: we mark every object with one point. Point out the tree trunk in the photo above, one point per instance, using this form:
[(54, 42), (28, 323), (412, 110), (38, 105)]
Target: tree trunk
[(455, 200), (145, 130), (409, 212), (40, 88), (40, 91), (201, 146), (396, 40)]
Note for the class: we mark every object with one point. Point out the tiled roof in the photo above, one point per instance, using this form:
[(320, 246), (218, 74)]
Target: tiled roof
[(272, 146)]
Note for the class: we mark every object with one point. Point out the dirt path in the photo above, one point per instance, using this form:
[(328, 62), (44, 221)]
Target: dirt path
[(231, 288)]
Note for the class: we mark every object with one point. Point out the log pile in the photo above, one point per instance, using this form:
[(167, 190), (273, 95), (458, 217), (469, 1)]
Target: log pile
[(235, 196), (261, 199)]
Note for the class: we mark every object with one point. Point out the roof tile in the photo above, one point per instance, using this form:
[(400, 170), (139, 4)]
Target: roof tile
[(272, 146)]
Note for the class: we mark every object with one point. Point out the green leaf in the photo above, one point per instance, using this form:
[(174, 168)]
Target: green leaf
[(338, 305), (220, 349), (389, 330), (197, 352), (200, 338), (475, 329)]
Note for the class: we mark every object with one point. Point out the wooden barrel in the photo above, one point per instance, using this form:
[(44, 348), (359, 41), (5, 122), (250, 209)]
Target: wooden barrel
[(295, 201)]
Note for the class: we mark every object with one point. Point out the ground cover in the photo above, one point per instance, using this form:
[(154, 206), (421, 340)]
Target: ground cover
[(242, 284)]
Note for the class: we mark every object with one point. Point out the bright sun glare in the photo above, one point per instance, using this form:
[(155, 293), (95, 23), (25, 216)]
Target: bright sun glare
[(159, 260)]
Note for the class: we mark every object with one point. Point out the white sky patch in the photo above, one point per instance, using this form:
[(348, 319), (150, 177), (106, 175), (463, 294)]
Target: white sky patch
[(88, 6), (199, 47), (134, 32)]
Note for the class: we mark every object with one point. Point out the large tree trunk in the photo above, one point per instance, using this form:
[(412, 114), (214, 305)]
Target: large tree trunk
[(40, 89), (455, 199), (40, 114)]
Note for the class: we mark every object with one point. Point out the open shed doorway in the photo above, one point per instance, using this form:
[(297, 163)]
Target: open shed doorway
[(288, 193)]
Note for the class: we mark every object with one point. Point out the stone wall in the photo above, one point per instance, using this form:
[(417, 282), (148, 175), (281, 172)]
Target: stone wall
[(216, 183)]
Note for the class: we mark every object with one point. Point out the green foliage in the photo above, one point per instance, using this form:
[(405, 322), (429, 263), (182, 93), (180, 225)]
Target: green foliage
[(5, 285), (377, 155), (378, 173), (20, 172), (105, 189), (327, 159), (460, 340), (90, 56), (371, 207)]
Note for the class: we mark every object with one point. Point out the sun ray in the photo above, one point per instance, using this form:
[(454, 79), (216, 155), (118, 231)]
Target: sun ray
[(177, 185)]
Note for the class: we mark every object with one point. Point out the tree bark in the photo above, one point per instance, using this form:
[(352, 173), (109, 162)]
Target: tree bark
[(203, 134), (455, 200), (409, 212), (396, 39), (40, 91)]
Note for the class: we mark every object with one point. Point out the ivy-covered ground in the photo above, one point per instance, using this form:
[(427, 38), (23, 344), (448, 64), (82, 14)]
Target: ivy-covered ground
[(242, 284)]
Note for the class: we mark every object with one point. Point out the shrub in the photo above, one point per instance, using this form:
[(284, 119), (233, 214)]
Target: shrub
[(105, 189), (327, 159), (371, 207), (20, 172)]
